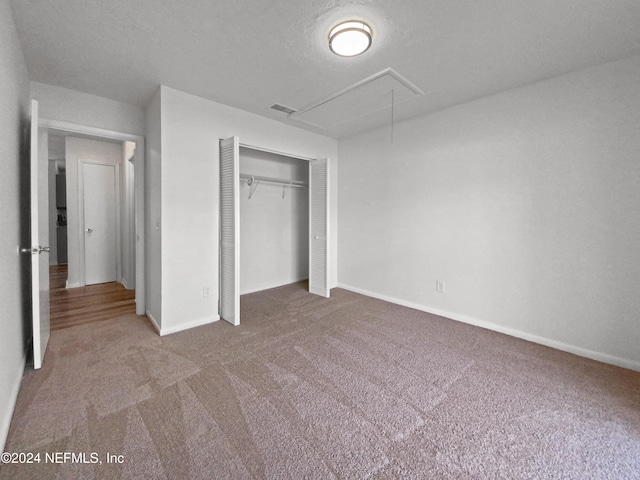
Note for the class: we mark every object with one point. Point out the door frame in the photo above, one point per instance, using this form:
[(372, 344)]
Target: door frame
[(81, 218), (139, 202)]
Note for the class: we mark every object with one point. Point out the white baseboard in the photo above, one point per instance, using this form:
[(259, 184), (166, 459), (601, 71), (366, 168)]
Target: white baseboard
[(154, 322), (187, 326), (5, 422), (73, 285), (548, 342)]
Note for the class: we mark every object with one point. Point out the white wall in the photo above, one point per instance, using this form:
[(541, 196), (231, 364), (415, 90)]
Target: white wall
[(525, 203), (153, 240), (82, 149), (127, 217), (53, 212), (274, 231), (66, 105), (191, 129), (14, 221)]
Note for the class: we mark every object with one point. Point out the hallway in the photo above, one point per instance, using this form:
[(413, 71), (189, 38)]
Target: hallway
[(86, 305)]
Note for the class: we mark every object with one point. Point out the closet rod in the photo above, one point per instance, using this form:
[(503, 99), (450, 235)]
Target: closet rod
[(273, 181)]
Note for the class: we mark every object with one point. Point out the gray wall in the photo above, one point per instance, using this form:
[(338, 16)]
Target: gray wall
[(14, 229), (525, 203)]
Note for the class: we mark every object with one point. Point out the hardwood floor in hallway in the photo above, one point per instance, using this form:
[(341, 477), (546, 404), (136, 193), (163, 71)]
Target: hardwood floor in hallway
[(84, 305)]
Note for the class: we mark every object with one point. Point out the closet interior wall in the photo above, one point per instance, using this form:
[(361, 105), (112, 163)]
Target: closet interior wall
[(274, 231)]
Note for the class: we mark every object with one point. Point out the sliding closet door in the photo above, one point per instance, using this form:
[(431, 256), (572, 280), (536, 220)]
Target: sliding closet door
[(319, 227), (230, 230)]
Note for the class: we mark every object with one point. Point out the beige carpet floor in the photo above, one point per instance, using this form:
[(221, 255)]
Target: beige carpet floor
[(348, 387)]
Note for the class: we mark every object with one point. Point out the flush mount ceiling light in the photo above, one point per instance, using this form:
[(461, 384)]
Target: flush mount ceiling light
[(350, 38)]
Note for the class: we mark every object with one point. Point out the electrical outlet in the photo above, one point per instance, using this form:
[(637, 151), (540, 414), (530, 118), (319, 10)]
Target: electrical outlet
[(440, 286), (206, 291)]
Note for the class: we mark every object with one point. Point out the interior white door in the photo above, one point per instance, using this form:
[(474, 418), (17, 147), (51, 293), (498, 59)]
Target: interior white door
[(230, 230), (100, 238), (39, 173), (319, 227)]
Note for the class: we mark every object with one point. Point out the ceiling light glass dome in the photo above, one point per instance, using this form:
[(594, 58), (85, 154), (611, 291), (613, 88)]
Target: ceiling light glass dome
[(349, 39)]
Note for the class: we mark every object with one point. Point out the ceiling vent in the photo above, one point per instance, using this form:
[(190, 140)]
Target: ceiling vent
[(283, 109)]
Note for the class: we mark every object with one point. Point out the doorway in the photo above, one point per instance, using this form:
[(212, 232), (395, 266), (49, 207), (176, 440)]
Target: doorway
[(128, 175)]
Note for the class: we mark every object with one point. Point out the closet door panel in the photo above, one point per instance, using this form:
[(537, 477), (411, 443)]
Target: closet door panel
[(319, 227), (230, 230)]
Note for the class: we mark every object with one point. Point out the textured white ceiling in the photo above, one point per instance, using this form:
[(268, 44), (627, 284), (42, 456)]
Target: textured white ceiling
[(253, 53)]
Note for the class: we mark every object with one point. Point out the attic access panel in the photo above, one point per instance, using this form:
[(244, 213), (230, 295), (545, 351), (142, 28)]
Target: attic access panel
[(368, 96)]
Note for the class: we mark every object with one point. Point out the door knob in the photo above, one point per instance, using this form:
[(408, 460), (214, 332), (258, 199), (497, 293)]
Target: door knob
[(89, 230)]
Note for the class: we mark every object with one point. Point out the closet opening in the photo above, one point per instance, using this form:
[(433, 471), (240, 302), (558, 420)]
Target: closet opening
[(274, 220), (274, 223)]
